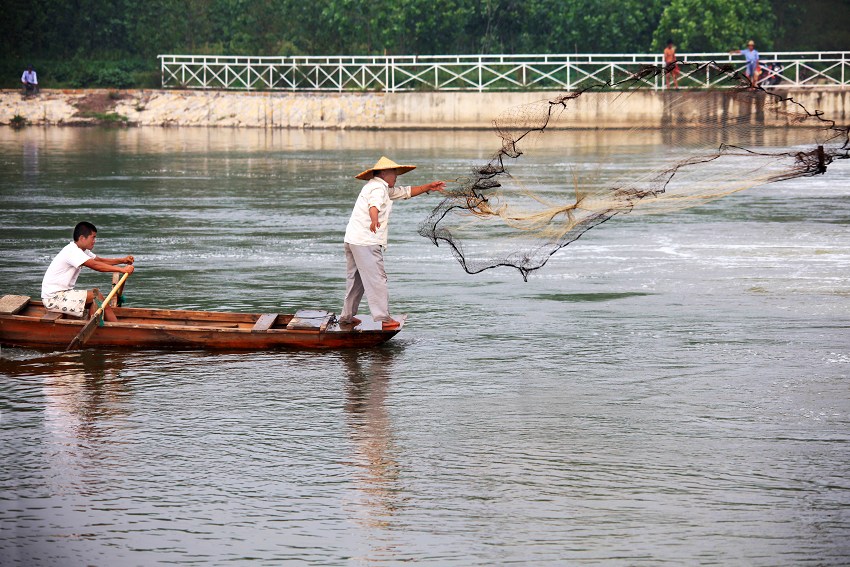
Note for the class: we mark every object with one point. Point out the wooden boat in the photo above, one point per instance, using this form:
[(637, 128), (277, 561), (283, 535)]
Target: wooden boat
[(25, 322)]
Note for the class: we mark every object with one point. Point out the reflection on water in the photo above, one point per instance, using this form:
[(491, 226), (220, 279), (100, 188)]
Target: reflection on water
[(83, 393), (377, 476), (31, 148), (80, 391), (235, 140), (324, 144)]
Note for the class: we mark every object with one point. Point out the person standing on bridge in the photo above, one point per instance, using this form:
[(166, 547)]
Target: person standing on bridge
[(752, 56), (366, 239), (671, 66)]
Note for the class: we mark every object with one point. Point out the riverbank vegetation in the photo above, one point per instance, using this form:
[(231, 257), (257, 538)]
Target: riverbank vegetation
[(114, 43)]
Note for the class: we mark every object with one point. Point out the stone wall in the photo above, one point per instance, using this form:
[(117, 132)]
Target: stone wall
[(425, 110)]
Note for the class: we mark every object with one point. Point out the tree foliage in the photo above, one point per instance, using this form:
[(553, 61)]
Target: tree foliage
[(111, 40), (716, 25)]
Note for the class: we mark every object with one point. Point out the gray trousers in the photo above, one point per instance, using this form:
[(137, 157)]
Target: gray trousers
[(365, 273)]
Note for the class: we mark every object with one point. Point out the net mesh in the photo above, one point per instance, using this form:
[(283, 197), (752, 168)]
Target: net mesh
[(541, 191)]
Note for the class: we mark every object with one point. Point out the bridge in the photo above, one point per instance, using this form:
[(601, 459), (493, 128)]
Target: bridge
[(482, 73)]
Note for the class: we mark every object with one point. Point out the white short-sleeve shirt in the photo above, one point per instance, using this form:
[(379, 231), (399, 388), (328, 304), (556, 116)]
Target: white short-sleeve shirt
[(376, 193), (64, 270)]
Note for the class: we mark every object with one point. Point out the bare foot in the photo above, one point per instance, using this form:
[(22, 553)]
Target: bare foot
[(354, 321)]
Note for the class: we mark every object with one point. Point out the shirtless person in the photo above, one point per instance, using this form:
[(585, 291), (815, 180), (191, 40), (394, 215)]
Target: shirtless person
[(671, 67), (57, 288)]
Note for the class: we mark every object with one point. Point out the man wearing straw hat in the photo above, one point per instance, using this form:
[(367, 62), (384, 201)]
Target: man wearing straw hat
[(366, 238), (752, 56)]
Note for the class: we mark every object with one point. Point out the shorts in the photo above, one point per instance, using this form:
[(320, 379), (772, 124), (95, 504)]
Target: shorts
[(70, 302)]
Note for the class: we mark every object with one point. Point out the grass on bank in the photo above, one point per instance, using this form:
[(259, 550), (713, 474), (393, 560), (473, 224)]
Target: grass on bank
[(106, 117)]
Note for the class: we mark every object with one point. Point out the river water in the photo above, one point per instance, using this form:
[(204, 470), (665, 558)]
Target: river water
[(669, 390)]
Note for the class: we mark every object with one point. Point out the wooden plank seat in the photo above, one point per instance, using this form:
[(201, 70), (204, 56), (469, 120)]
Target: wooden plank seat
[(306, 319), (265, 322), (13, 304), (51, 316)]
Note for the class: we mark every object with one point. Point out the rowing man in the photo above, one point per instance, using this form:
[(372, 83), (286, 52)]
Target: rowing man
[(57, 288)]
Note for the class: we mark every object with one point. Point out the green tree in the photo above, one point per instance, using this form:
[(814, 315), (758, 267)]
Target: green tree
[(716, 25), (568, 26), (812, 25), (422, 27), (103, 42)]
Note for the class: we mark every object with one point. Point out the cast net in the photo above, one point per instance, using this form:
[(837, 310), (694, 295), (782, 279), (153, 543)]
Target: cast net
[(556, 176)]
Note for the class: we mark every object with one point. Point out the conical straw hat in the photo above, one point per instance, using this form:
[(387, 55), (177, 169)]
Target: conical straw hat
[(385, 163)]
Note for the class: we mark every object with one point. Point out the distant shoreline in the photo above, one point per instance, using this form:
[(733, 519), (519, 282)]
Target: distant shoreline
[(377, 110)]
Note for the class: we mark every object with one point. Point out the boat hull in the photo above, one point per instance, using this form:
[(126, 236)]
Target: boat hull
[(170, 329)]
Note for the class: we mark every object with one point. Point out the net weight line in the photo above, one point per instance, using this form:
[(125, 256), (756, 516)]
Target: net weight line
[(497, 218)]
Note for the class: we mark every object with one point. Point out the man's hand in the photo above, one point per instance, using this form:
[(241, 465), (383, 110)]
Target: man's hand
[(127, 260), (127, 270), (373, 215), (436, 186)]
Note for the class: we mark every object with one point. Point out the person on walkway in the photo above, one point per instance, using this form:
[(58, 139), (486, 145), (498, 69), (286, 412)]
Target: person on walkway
[(752, 56), (29, 80), (57, 287), (366, 239), (773, 73), (671, 66)]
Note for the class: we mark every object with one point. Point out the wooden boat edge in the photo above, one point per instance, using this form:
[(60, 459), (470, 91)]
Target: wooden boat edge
[(195, 336)]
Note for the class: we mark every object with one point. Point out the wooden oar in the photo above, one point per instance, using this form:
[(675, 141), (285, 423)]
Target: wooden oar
[(89, 327)]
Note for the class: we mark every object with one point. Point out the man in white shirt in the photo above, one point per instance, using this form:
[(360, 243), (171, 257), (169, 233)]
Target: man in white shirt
[(366, 239), (57, 287), (29, 80)]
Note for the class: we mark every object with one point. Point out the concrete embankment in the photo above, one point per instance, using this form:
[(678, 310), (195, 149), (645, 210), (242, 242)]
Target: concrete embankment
[(427, 110)]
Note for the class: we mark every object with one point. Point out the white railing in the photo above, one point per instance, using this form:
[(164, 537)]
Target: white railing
[(481, 72)]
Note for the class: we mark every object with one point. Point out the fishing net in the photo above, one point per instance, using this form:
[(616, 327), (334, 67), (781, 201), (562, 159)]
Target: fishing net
[(543, 190)]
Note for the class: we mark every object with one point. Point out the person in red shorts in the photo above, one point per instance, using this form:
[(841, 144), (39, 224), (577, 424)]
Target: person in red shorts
[(671, 66)]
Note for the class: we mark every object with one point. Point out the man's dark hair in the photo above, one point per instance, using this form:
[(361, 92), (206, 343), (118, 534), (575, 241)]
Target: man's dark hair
[(83, 229), (669, 42)]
